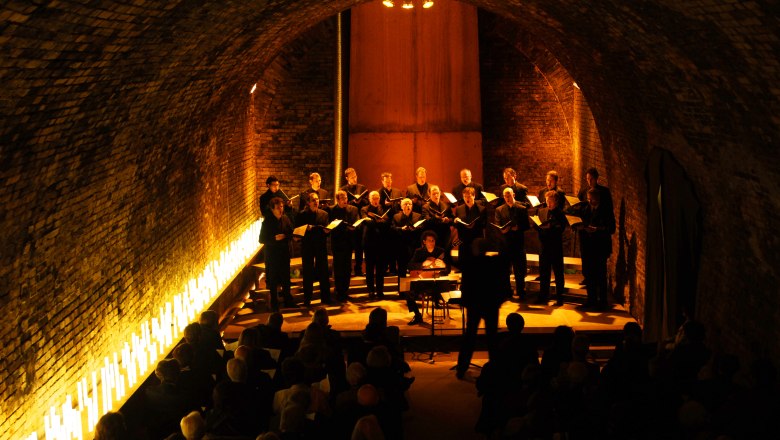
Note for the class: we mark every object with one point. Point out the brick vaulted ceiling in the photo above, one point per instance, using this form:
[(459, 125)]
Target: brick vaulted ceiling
[(154, 86)]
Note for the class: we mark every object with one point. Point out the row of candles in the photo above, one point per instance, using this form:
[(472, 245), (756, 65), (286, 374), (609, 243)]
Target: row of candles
[(134, 360)]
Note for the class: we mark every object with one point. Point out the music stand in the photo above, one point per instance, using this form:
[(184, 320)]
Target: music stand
[(434, 292)]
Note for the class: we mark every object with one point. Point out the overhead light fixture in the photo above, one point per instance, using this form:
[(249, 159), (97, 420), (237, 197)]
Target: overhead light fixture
[(428, 4), (407, 5), (388, 3)]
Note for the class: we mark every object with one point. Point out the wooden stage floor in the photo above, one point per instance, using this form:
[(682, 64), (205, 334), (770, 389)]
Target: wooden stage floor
[(351, 317)]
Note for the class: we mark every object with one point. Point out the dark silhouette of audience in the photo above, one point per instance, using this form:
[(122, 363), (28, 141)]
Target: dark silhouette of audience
[(682, 388)]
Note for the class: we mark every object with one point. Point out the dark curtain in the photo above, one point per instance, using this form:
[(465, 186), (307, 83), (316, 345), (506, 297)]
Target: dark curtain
[(673, 247)]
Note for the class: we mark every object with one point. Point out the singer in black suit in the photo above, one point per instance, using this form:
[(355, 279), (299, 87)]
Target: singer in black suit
[(515, 215), (597, 233), (314, 250), (406, 235), (551, 236), (376, 242), (275, 235), (470, 219), (357, 196), (419, 191), (341, 242), (439, 216)]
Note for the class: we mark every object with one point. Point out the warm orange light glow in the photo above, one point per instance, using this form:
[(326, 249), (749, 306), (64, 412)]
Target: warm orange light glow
[(388, 3), (407, 5), (131, 361), (428, 4)]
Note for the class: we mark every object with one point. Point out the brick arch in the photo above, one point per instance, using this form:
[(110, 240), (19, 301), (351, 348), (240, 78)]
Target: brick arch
[(127, 154)]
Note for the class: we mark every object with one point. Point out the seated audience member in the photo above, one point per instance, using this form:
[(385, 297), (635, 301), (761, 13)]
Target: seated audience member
[(515, 350), (206, 357), (626, 374), (391, 386), (166, 404), (258, 382), (334, 360), (272, 336), (111, 426), (346, 410), (377, 333), (558, 353), (249, 404), (294, 372), (209, 328), (195, 384), (228, 416), (193, 427)]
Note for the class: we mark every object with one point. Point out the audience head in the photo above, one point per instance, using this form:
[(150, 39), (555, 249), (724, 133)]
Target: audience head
[(293, 417), (193, 427), (378, 357), (209, 318), (378, 317), (250, 336), (237, 371), (368, 395), (515, 322), (563, 336), (632, 334), (320, 317), (184, 354), (368, 428), (356, 373), (314, 335), (580, 346), (293, 370), (192, 333), (111, 426), (243, 352), (275, 321), (167, 371)]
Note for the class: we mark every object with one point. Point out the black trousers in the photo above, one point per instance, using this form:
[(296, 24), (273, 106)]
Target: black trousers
[(357, 243), (519, 263), (315, 263), (278, 275), (376, 265), (474, 314), (551, 257), (342, 260), (597, 287)]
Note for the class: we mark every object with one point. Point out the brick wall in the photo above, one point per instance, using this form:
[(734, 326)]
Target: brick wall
[(128, 154), (295, 135)]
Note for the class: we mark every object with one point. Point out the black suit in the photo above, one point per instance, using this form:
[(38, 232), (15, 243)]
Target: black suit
[(521, 194), (458, 191), (418, 195), (605, 204), (552, 251), (514, 240), (406, 240), (597, 247), (474, 214), (314, 254), (376, 243), (484, 286), (435, 213), (357, 237), (561, 199), (277, 257), (416, 263), (304, 198), (386, 194), (341, 241)]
